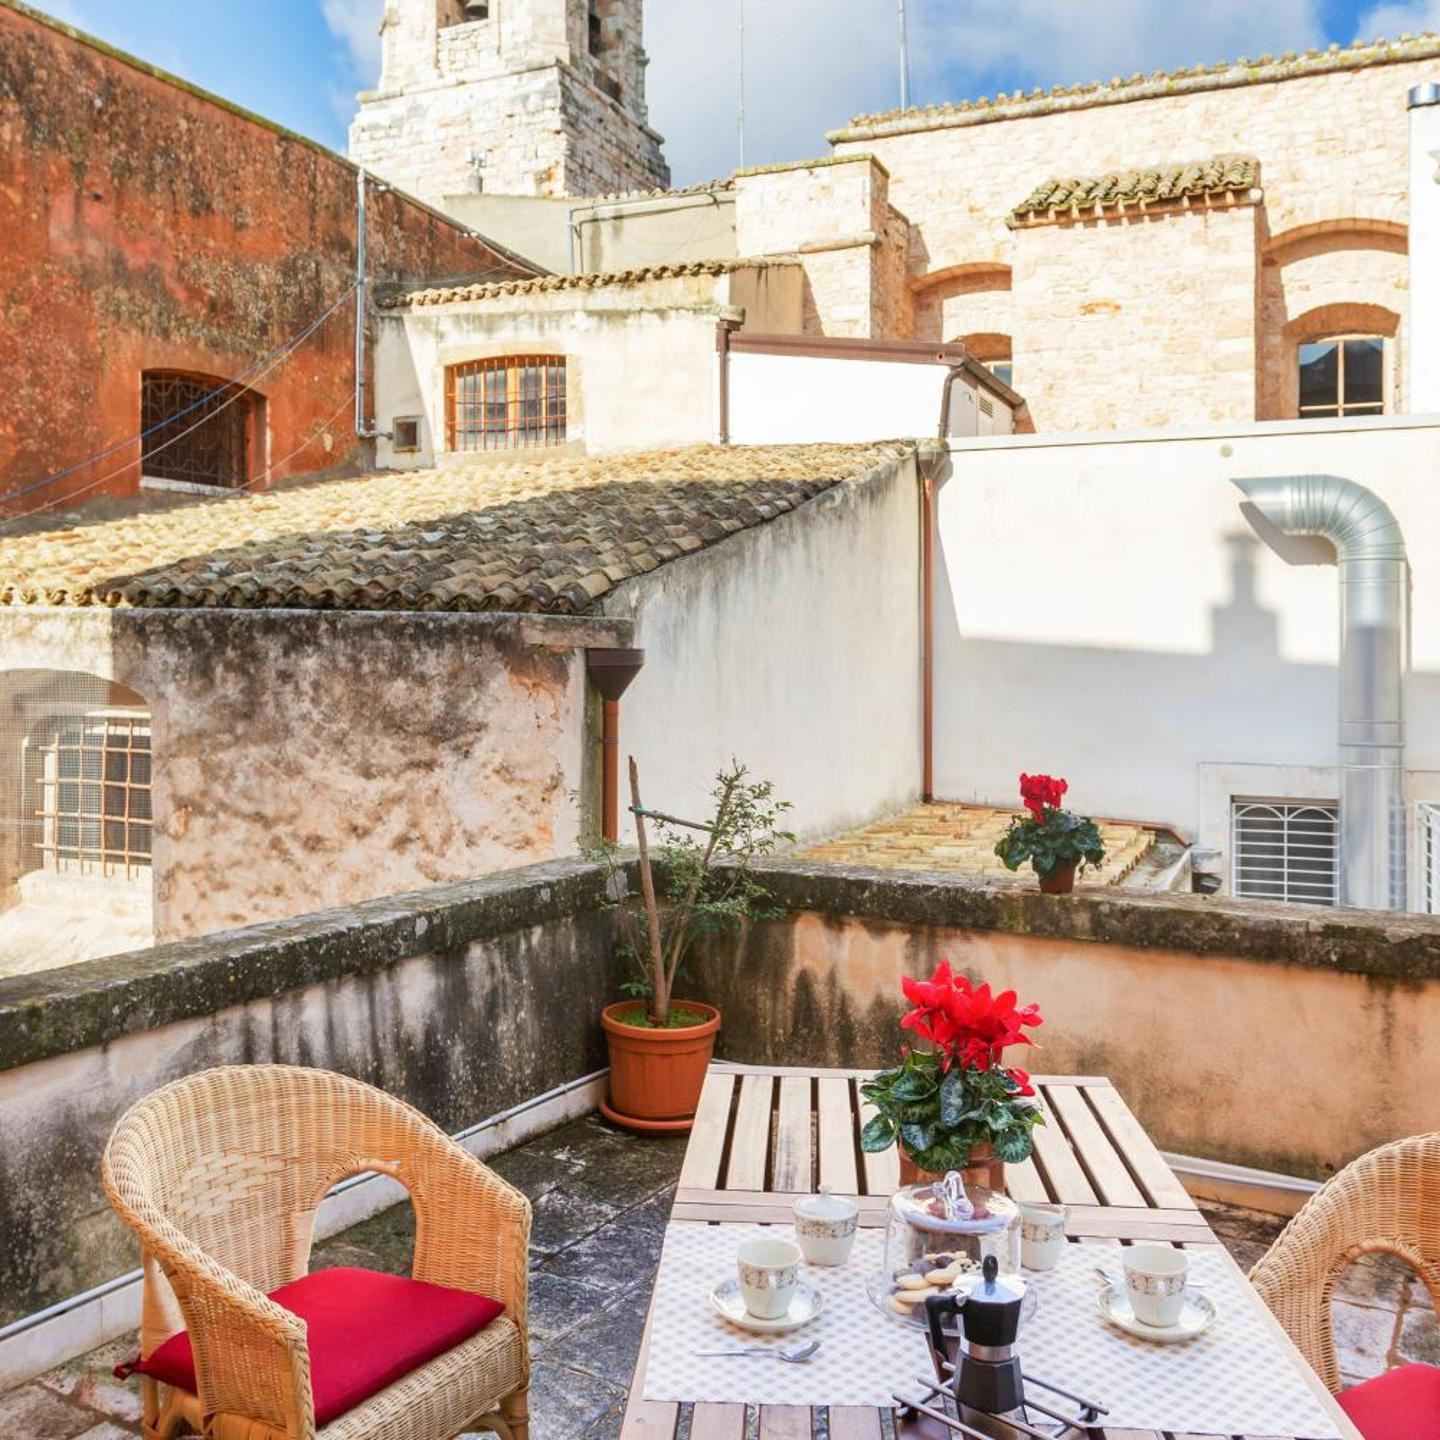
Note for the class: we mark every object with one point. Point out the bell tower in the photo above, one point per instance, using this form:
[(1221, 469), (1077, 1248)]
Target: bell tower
[(510, 97)]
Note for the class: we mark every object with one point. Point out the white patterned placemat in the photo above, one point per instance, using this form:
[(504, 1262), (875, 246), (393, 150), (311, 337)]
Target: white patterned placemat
[(1236, 1378)]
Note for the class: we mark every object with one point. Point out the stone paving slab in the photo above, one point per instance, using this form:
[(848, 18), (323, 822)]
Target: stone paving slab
[(604, 1197)]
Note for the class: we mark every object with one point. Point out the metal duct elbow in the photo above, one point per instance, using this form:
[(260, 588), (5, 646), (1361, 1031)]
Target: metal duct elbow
[(1374, 586)]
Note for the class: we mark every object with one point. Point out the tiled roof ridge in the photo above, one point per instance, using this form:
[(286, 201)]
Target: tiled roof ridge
[(532, 535), (588, 280), (1226, 74), (1141, 185), (659, 192)]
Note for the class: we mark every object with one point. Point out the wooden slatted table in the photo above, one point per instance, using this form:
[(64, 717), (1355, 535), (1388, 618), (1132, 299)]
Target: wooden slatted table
[(765, 1136)]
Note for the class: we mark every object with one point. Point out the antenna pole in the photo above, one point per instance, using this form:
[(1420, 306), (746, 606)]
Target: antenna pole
[(740, 76), (904, 59)]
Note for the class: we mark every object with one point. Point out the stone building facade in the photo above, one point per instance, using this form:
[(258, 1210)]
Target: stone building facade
[(159, 244), (1141, 298), (510, 97)]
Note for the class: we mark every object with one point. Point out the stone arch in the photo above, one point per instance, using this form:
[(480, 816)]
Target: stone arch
[(1341, 318), (1337, 267), (973, 297), (76, 820)]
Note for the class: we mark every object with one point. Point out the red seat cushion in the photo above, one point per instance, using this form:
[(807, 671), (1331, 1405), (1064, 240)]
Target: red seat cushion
[(366, 1331), (1401, 1404)]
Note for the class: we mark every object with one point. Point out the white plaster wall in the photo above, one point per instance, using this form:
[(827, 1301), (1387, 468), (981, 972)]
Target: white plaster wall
[(637, 378), (784, 399), (1106, 612), (793, 647)]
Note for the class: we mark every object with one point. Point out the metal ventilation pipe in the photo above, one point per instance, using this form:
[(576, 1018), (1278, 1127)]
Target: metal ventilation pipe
[(1374, 583)]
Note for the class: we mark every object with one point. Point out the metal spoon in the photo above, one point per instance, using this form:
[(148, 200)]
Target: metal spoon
[(794, 1355)]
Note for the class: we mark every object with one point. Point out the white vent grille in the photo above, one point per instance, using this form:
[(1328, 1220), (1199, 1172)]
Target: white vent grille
[(1284, 850), (1429, 859)]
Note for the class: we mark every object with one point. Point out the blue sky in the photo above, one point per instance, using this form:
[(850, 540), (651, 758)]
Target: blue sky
[(810, 63)]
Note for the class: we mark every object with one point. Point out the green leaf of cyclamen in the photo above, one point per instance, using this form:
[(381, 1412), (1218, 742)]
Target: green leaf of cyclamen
[(1013, 1145), (878, 1133), (953, 1099), (917, 1137)]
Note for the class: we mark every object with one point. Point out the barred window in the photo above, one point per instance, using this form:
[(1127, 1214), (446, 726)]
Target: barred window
[(1285, 850), (1430, 859), (92, 781), (197, 429), (515, 402), (1344, 375)]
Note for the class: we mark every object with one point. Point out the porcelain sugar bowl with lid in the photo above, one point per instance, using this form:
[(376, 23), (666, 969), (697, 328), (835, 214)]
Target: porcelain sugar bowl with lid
[(937, 1236)]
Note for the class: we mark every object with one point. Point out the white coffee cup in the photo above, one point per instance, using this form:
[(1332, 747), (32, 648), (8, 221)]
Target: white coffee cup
[(825, 1227), (1155, 1282), (1042, 1235), (769, 1271)]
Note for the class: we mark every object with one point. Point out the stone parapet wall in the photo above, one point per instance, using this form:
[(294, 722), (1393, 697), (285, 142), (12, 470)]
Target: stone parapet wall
[(464, 1001)]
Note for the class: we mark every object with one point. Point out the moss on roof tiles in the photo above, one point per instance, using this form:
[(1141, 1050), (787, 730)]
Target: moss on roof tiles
[(547, 536), (1291, 65), (1156, 184)]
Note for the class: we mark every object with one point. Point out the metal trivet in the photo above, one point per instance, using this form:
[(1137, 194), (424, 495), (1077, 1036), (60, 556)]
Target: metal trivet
[(938, 1405)]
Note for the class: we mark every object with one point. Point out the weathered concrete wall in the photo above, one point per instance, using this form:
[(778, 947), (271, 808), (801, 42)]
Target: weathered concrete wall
[(150, 226), (305, 758), (519, 103), (793, 647), (1106, 612), (640, 353), (1235, 1031), (464, 1001), (1332, 139)]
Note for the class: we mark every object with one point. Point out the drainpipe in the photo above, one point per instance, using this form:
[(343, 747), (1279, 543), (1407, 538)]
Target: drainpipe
[(723, 331), (363, 428), (1374, 586), (611, 672)]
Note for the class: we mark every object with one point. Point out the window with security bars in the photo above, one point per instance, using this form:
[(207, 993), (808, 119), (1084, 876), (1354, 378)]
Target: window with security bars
[(92, 781), (1430, 859), (515, 402), (197, 429), (1285, 850), (1344, 375)]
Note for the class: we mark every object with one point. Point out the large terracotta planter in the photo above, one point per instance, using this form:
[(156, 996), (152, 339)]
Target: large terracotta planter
[(1060, 880), (983, 1169), (656, 1075)]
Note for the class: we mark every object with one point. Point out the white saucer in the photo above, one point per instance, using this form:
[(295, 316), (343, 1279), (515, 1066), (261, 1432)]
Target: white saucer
[(727, 1302), (1197, 1315)]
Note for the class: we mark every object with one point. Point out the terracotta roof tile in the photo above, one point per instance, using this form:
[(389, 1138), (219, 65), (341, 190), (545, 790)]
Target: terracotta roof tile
[(545, 284), (1291, 65), (1156, 184), (526, 534)]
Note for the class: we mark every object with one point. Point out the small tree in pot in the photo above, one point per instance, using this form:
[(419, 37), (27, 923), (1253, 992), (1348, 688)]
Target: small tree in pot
[(699, 880), (1053, 840)]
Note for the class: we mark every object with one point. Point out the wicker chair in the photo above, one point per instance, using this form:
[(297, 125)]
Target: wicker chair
[(1385, 1202), (220, 1175)]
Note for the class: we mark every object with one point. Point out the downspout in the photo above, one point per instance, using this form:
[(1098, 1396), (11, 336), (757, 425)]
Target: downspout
[(723, 331), (930, 463), (1374, 591), (363, 428), (611, 672)]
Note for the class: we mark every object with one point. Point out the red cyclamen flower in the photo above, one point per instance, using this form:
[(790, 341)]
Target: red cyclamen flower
[(968, 1025), (1038, 791)]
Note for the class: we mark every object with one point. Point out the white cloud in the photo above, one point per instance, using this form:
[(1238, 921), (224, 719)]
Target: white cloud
[(1398, 19), (811, 64), (356, 25)]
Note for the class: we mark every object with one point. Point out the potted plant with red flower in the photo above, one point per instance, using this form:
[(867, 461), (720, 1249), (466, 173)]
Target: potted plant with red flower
[(955, 1105), (1056, 842)]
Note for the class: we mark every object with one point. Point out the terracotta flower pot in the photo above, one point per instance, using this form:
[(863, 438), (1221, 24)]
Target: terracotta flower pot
[(1060, 880), (983, 1169), (656, 1075)]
